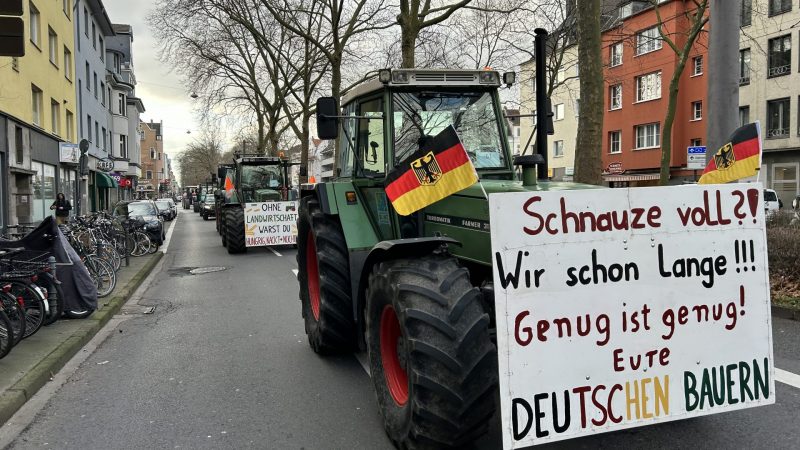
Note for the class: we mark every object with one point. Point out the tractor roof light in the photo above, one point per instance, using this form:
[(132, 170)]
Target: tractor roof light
[(400, 77), (489, 77), (385, 76), (509, 78)]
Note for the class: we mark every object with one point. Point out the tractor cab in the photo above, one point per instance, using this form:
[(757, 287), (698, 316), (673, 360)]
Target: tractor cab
[(255, 179)]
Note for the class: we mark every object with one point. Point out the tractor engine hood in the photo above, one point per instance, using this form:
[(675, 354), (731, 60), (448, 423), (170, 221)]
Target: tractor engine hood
[(498, 186), (267, 195)]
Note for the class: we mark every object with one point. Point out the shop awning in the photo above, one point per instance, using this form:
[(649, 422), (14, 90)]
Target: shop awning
[(104, 181), (632, 177)]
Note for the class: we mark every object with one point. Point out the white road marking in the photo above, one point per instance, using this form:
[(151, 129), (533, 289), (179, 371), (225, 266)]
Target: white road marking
[(295, 271), (792, 379), (173, 224), (363, 359), (274, 251)]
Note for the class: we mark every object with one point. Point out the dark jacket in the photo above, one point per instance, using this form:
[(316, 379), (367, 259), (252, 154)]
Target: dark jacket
[(62, 207)]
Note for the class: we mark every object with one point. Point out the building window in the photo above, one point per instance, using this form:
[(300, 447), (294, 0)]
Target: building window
[(123, 146), (95, 85), (121, 104), (615, 96), (648, 136), (615, 142), (697, 65), (779, 6), (97, 134), (102, 49), (778, 118), (88, 78), (55, 116), (109, 99), (35, 21), (648, 40), (52, 41), (152, 153), (697, 110), (89, 128), (746, 14), (103, 92), (696, 142), (744, 115), (558, 113), (616, 54), (67, 64), (36, 105), (785, 181), (94, 36), (86, 21), (67, 6), (18, 145), (780, 56), (105, 141), (648, 87), (70, 123), (744, 66), (558, 148), (149, 175)]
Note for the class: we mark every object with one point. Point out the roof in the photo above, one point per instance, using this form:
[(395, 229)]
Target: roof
[(123, 28), (99, 12)]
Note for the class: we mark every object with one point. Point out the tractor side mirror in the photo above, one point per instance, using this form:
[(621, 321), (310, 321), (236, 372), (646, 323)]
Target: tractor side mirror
[(327, 123), (221, 172)]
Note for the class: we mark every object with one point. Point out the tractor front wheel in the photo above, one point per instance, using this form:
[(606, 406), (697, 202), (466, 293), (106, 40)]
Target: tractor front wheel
[(234, 230), (432, 361), (324, 277)]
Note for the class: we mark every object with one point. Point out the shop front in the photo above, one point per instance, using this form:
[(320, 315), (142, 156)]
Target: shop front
[(106, 189)]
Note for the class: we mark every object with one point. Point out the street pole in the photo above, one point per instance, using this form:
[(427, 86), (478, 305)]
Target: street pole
[(722, 73)]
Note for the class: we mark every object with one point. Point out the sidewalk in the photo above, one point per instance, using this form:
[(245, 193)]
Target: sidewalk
[(32, 363)]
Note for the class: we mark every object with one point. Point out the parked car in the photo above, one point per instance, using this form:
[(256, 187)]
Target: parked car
[(148, 211), (771, 202), (164, 206)]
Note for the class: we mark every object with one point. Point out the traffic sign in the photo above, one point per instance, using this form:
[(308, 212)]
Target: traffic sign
[(696, 157), (12, 36)]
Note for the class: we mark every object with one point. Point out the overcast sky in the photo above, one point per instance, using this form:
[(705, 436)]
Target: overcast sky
[(162, 93)]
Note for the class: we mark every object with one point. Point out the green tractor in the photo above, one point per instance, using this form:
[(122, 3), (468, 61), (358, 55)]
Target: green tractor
[(415, 292), (251, 178)]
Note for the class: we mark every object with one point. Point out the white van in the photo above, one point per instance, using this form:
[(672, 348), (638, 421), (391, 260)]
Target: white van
[(771, 202)]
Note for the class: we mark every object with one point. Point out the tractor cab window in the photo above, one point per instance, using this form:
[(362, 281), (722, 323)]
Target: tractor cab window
[(370, 138), (347, 141), (419, 115), (261, 183)]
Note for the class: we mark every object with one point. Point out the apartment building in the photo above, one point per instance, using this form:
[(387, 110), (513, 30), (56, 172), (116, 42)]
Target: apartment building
[(154, 176), (769, 91), (37, 115), (92, 30), (638, 67)]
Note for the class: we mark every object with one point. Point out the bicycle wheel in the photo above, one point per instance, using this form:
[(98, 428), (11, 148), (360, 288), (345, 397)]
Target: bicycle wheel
[(142, 244), (33, 304), (6, 334), (104, 276), (16, 316)]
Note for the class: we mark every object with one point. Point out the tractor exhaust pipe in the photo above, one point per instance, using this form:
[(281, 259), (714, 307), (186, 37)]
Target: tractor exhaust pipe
[(542, 103)]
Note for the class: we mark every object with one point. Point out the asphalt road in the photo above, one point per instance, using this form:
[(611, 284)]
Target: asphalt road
[(223, 362)]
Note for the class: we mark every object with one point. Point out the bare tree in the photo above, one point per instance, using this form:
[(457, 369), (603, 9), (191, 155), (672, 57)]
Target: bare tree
[(200, 159), (588, 146)]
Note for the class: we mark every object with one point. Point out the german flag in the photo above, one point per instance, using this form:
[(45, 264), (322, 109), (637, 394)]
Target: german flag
[(739, 158), (440, 168)]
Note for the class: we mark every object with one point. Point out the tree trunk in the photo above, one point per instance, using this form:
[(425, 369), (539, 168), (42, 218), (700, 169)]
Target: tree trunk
[(304, 151), (588, 148), (336, 87), (669, 120), (408, 44)]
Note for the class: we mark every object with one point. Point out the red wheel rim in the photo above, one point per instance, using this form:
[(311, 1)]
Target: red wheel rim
[(396, 376), (312, 269)]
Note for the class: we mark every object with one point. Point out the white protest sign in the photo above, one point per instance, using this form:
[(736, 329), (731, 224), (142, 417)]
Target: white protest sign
[(619, 308), (270, 223)]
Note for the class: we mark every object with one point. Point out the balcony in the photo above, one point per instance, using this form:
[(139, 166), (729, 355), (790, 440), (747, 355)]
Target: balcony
[(778, 71), (744, 81)]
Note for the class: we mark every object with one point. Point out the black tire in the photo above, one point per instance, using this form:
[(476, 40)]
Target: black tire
[(33, 303), (78, 313), (436, 350), (222, 231), (324, 277), (204, 215), (234, 230), (6, 335), (16, 315)]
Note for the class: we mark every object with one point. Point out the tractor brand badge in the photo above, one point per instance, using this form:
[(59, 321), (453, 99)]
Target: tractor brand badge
[(725, 157), (427, 169)]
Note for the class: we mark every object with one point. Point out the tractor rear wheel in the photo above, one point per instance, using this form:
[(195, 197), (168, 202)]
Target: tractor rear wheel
[(324, 277), (222, 231), (234, 230), (432, 361)]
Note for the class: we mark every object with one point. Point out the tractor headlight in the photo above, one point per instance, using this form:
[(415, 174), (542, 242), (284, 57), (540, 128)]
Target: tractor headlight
[(399, 77), (385, 75), (489, 77)]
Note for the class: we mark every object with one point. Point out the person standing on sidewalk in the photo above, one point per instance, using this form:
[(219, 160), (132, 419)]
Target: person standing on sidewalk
[(62, 207)]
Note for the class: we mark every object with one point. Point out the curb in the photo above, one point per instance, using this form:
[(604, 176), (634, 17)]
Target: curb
[(12, 399), (785, 313)]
